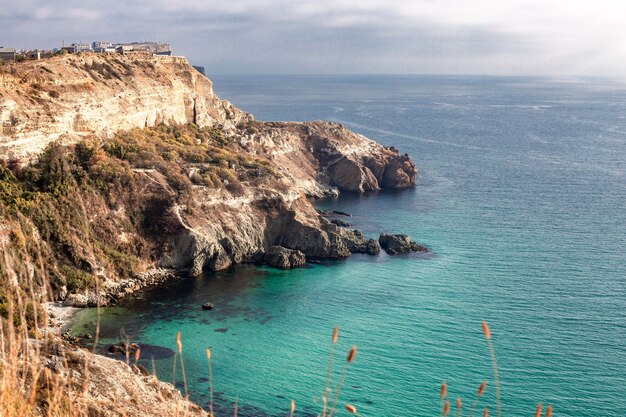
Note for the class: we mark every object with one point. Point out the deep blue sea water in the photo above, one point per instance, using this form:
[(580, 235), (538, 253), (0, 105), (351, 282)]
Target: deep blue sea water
[(522, 197)]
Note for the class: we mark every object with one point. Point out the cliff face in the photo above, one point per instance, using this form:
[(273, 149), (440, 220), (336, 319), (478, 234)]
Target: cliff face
[(223, 190), (70, 97)]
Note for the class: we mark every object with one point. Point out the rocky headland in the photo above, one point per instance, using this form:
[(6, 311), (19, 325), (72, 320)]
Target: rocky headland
[(116, 171), (144, 139)]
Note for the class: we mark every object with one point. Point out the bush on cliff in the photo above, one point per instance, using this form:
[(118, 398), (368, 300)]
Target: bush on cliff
[(69, 198)]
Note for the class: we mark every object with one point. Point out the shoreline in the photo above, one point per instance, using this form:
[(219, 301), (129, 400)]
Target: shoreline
[(60, 316)]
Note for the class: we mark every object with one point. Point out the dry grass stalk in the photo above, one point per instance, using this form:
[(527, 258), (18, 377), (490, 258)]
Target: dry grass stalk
[(486, 330), (349, 358), (549, 411), (179, 346), (459, 407), (351, 354), (494, 365), (481, 389), (208, 358), (443, 390), (292, 408), (350, 408), (446, 408), (333, 341), (486, 412), (479, 393)]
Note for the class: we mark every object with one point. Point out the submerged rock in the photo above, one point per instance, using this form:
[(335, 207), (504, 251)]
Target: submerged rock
[(283, 258), (123, 348), (340, 223), (394, 244)]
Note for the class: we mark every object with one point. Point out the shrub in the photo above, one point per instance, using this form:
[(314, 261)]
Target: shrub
[(17, 238), (76, 279)]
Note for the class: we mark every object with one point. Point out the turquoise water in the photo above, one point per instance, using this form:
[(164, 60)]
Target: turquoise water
[(521, 196)]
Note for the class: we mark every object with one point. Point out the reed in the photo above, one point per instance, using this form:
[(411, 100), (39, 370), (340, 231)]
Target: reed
[(494, 365), (479, 393), (333, 342), (459, 407), (538, 410), (208, 358), (292, 408), (349, 358), (179, 346), (548, 411), (443, 390)]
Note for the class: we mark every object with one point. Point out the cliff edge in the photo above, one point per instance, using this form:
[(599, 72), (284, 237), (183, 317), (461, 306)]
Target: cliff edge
[(160, 172)]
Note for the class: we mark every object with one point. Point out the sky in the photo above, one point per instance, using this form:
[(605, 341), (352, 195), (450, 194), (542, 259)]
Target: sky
[(494, 37)]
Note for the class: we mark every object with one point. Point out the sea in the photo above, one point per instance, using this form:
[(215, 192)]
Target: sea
[(521, 198)]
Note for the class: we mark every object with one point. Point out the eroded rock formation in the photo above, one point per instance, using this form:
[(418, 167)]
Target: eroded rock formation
[(398, 244), (239, 193)]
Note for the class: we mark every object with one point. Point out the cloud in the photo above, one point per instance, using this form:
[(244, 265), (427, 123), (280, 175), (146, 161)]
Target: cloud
[(364, 36)]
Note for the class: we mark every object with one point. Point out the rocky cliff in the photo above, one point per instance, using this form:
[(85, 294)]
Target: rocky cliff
[(160, 172), (70, 97), (114, 168)]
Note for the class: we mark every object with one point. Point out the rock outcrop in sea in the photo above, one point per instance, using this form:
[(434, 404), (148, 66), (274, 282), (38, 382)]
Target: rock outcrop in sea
[(398, 244)]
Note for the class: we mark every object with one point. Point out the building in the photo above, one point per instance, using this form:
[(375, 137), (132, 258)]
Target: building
[(34, 54), (124, 48), (8, 54), (77, 47), (101, 45), (81, 47), (106, 47), (154, 47)]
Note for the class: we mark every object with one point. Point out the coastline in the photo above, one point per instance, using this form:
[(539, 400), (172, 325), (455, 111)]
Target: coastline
[(60, 316)]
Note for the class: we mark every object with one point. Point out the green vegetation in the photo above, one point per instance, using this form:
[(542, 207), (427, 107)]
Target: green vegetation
[(68, 198)]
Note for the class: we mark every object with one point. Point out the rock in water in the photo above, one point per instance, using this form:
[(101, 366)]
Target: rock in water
[(394, 244), (283, 258), (121, 348), (373, 247), (207, 306), (340, 223), (357, 243)]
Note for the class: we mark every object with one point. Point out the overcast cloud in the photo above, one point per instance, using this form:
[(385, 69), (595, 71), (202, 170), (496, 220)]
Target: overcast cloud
[(551, 37)]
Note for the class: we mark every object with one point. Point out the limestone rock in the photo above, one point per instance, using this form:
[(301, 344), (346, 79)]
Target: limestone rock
[(395, 244), (399, 173), (76, 300), (357, 243), (283, 258)]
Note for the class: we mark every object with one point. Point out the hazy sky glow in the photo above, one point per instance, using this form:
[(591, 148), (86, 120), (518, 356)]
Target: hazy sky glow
[(550, 37)]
